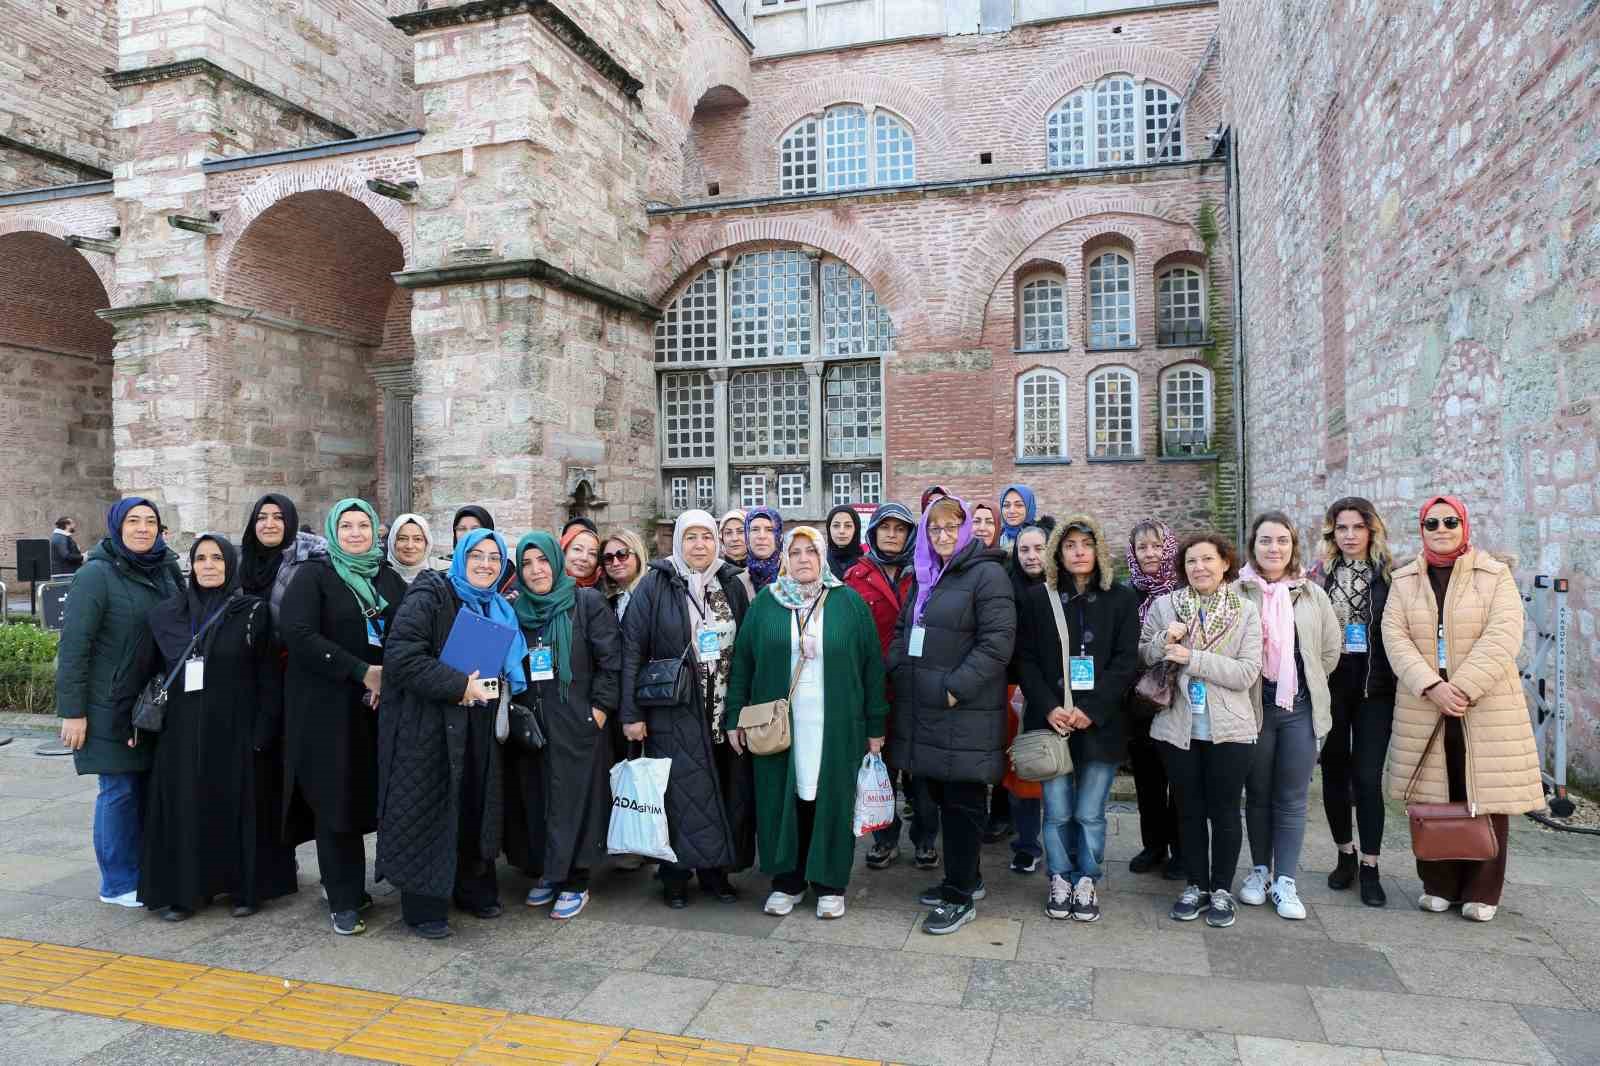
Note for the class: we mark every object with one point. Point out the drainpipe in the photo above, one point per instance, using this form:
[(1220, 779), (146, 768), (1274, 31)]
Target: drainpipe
[(1235, 221)]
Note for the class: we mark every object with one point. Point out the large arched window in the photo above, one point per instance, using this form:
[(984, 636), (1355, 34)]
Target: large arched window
[(1042, 415), (1114, 122), (1042, 314), (846, 147), (1180, 307), (1113, 413), (1111, 302), (1186, 407), (771, 385)]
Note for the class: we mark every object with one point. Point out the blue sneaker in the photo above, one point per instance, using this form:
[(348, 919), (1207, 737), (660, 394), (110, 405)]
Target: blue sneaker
[(569, 905), (541, 893)]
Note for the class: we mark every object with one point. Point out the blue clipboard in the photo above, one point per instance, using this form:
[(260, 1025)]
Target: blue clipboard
[(477, 643)]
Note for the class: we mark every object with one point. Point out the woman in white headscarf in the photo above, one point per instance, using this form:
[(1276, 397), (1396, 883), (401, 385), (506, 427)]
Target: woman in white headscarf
[(410, 546), (687, 608)]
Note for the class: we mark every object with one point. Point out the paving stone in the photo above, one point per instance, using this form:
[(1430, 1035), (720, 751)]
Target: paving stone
[(1332, 964), (865, 928), (1583, 978), (1408, 1058), (704, 914), (253, 945), (530, 986), (1573, 1035), (896, 1031), (726, 957), (1268, 1051), (778, 1017), (70, 921), (867, 972), (1481, 975), (367, 962), (1425, 1024), (1411, 929), (1524, 869), (981, 938), (1227, 1005), (1034, 1038), (1580, 939), (1056, 942), (652, 1001), (47, 1038), (22, 903), (1030, 988), (616, 947), (37, 873), (152, 936), (1551, 906), (174, 1047)]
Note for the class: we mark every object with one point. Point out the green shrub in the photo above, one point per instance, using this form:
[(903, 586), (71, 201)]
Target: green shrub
[(27, 668)]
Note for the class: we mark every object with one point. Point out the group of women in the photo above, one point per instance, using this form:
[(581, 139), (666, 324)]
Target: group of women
[(305, 696)]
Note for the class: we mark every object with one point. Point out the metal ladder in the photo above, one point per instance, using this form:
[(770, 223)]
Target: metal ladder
[(1545, 681)]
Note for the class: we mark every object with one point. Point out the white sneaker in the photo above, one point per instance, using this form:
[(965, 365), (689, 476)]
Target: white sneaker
[(781, 903), (830, 906), (1058, 904), (127, 899), (1254, 889), (1287, 898), (1436, 904), (1479, 912)]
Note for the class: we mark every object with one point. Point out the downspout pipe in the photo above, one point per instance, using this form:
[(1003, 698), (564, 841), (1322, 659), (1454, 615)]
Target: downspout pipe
[(1240, 392)]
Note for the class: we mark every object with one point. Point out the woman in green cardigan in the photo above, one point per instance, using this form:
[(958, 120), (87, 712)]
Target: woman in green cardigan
[(805, 796)]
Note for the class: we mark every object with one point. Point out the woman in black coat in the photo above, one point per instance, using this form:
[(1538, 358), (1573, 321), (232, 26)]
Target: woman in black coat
[(211, 821), (439, 773), (711, 792), (334, 618), (558, 799), (952, 643)]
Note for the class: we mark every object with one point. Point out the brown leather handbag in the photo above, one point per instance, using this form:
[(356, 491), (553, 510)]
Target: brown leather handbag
[(1443, 832)]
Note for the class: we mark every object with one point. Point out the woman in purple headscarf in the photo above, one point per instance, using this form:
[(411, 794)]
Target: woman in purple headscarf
[(1153, 569), (763, 532)]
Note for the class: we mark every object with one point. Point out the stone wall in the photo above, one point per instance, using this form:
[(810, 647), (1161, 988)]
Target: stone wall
[(52, 93), (1422, 275)]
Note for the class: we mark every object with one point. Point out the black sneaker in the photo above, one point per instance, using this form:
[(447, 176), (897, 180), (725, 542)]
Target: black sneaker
[(1220, 915), (947, 918), (1187, 909), (1147, 860), (882, 856), (431, 930), (1023, 863), (1174, 870), (1085, 901), (366, 900), (348, 923), (934, 895), (926, 858)]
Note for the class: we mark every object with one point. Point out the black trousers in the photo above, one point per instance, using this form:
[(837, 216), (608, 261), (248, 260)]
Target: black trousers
[(1352, 766), (342, 858), (1158, 804), (476, 888), (1209, 781), (794, 882), (962, 810)]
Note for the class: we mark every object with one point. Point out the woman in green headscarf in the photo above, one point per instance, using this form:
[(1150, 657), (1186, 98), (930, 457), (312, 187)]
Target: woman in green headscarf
[(558, 799), (334, 618)]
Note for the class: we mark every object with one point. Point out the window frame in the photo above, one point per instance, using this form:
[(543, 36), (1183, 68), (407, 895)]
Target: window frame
[(676, 484), (849, 488), (746, 482), (1074, 122), (876, 492), (1209, 396), (1092, 414), (788, 480), (1031, 279), (1164, 332), (1064, 450), (882, 129), (1130, 261), (702, 452)]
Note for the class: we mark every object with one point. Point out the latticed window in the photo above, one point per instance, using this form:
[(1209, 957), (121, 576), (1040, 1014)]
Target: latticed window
[(791, 491), (705, 492), (841, 151), (853, 395), (872, 487), (1186, 411), (687, 333), (689, 410), (842, 488), (770, 414), (1113, 412), (844, 144), (680, 494), (1111, 301), (752, 490), (798, 171), (1116, 122), (1180, 312), (1044, 316), (1067, 133), (1042, 415), (1161, 113), (769, 305), (894, 153), (852, 321), (1113, 123)]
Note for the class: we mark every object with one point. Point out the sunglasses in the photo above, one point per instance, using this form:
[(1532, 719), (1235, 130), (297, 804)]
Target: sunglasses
[(617, 556), (1432, 524)]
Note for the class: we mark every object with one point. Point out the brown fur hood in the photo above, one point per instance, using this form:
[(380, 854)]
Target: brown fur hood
[(1102, 550)]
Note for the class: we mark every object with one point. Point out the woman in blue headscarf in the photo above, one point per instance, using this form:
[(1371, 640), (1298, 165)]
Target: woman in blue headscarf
[(439, 797), (763, 533), (1018, 509)]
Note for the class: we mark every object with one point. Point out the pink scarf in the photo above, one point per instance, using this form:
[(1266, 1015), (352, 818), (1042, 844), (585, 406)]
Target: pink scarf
[(1277, 632)]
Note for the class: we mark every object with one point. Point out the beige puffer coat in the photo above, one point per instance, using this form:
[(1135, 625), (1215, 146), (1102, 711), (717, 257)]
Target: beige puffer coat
[(1483, 626), (1229, 669), (1320, 641)]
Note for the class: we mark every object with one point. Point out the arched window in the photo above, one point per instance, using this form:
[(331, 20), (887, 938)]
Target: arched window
[(852, 321), (687, 333), (844, 147), (797, 160), (769, 304), (1113, 123), (1042, 415), (1111, 301), (894, 153), (1113, 412), (1180, 308), (834, 152), (1186, 410), (1042, 315)]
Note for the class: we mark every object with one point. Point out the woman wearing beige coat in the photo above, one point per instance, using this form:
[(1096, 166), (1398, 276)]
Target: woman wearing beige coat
[(1453, 627)]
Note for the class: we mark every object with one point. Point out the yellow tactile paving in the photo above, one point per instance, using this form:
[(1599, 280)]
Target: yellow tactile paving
[(349, 1021)]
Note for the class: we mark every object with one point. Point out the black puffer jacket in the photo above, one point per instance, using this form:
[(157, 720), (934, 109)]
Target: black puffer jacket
[(423, 748), (971, 623), (711, 791)]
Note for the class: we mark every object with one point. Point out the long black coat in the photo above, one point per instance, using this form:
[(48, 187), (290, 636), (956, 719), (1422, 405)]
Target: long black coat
[(558, 800), (971, 624), (711, 791), (1111, 618), (330, 737)]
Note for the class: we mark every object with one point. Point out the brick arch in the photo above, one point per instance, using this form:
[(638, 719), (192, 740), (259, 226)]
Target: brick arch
[(930, 123), (1152, 63), (726, 64), (104, 266)]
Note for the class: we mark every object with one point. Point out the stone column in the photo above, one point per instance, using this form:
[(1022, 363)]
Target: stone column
[(816, 498)]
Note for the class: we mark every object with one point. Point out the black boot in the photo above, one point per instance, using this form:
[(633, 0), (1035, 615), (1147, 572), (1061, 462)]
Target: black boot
[(1343, 875), (1147, 860), (1372, 893)]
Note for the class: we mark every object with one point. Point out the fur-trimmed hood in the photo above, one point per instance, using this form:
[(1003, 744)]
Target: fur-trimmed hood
[(1102, 551)]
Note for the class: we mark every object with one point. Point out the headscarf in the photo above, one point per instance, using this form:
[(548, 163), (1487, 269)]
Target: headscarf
[(1433, 557), (794, 594), (901, 513), (762, 571), (147, 562), (485, 519), (409, 573), (930, 492), (258, 564), (1165, 579), (177, 620), (928, 564), (839, 560), (1277, 633), (987, 506), (550, 611), (490, 603), (582, 521), (1008, 533), (1021, 580), (698, 580), (574, 531), (356, 571)]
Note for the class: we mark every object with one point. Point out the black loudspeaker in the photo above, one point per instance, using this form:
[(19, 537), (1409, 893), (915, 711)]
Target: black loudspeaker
[(33, 560)]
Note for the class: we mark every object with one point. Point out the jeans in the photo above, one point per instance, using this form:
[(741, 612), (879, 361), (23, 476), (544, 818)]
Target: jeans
[(1208, 779), (1279, 783), (961, 806), (119, 831), (1025, 819), (1352, 767), (1075, 820)]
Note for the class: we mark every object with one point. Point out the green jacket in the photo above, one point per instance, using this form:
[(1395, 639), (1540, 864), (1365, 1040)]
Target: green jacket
[(106, 607), (853, 709)]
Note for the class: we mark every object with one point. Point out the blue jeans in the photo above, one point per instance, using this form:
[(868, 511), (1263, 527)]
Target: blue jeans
[(1075, 820), (119, 831), (1025, 815)]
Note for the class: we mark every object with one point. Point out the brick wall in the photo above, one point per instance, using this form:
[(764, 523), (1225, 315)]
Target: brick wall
[(1422, 275), (52, 94)]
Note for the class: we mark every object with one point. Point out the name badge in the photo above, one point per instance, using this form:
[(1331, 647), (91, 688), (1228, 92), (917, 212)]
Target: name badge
[(194, 675), (1197, 696), (1355, 637), (541, 664), (1444, 663), (372, 636), (1082, 669), (707, 644), (918, 634)]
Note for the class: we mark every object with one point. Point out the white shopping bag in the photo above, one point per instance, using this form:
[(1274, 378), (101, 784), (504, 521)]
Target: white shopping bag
[(874, 796), (638, 809)]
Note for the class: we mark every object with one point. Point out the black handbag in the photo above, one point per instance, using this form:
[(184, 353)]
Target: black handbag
[(150, 709), (527, 730), (664, 682)]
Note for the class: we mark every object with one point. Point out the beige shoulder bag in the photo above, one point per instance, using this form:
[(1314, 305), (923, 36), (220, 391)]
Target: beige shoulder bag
[(766, 725)]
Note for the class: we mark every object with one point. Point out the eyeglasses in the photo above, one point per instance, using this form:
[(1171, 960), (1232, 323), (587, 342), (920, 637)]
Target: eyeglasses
[(480, 557), (617, 556), (944, 531), (1432, 524)]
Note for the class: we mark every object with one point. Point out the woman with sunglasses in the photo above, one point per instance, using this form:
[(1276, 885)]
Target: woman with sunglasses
[(622, 562), (1453, 628)]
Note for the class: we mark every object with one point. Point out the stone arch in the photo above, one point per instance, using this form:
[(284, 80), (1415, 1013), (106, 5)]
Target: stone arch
[(931, 124), (104, 266), (1146, 61), (725, 64)]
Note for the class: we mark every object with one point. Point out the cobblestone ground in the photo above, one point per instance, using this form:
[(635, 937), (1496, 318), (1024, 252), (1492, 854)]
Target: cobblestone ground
[(1349, 985)]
